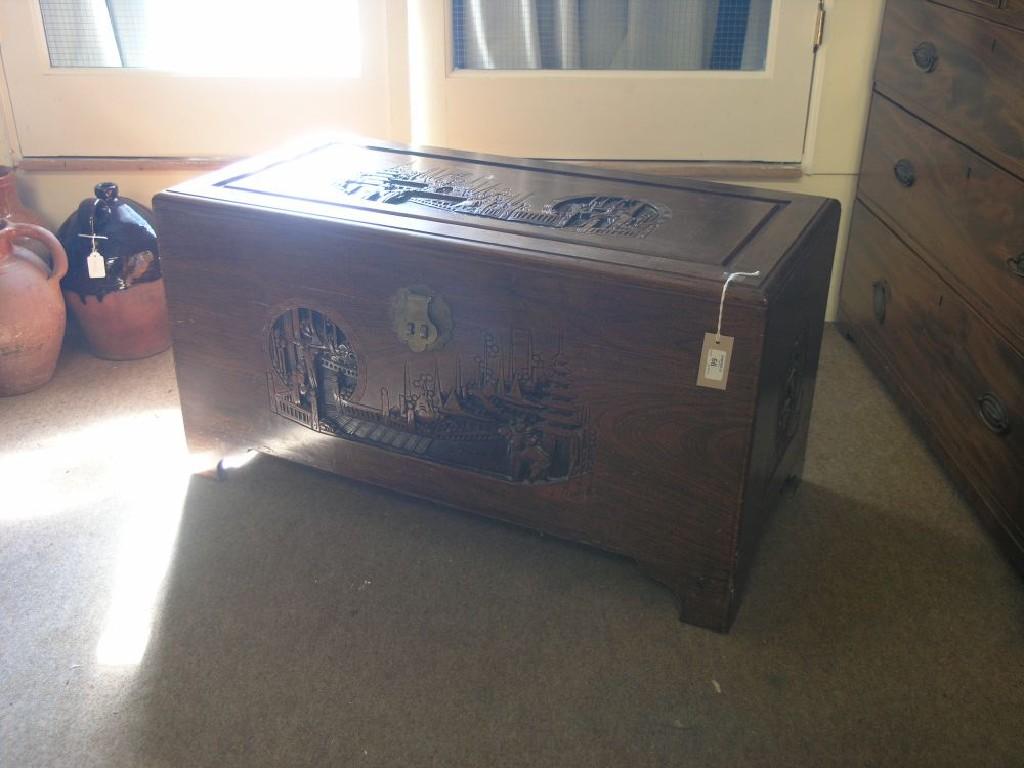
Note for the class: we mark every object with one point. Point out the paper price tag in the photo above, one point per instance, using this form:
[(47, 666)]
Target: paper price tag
[(715, 358), (97, 267)]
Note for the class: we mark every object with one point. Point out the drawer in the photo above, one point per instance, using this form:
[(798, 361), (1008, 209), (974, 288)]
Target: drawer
[(960, 212), (962, 381), (1009, 12), (959, 72)]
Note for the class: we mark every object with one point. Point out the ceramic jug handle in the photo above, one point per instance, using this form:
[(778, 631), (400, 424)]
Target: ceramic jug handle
[(60, 258)]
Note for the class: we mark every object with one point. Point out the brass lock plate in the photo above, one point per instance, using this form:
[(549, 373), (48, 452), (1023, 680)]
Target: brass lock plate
[(421, 319)]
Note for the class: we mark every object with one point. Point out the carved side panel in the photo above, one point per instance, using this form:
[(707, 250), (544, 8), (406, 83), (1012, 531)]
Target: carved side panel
[(791, 401)]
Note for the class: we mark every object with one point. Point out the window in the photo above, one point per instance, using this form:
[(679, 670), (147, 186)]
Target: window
[(141, 78), (627, 79), (584, 79), (199, 37)]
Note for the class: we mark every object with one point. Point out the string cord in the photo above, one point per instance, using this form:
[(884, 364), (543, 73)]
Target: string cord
[(721, 304), (92, 225)]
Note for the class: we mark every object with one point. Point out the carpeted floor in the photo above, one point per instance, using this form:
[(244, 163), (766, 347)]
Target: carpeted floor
[(289, 618)]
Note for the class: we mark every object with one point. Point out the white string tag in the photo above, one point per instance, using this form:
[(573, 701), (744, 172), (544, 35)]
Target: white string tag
[(94, 262), (97, 269), (716, 353)]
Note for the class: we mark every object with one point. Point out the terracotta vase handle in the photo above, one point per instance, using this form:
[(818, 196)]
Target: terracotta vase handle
[(44, 236)]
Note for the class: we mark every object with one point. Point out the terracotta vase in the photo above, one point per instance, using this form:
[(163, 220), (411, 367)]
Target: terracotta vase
[(32, 314), (13, 210), (114, 287)]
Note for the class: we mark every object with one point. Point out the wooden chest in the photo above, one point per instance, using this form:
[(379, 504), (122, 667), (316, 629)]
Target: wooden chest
[(516, 338), (933, 290)]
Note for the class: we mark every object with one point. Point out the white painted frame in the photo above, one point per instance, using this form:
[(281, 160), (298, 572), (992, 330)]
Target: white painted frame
[(139, 113), (634, 115)]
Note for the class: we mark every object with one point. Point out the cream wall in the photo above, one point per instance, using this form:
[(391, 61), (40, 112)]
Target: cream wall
[(7, 153), (839, 102), (837, 118), (55, 195)]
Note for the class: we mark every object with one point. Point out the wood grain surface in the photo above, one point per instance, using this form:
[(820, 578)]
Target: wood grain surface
[(973, 91), (940, 358), (1009, 12), (964, 215), (933, 286)]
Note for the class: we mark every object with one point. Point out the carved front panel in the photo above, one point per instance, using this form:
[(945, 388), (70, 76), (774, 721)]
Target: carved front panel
[(507, 411)]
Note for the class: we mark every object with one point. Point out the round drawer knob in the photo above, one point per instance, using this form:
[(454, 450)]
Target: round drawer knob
[(904, 170), (880, 299), (993, 413), (926, 56), (1016, 265)]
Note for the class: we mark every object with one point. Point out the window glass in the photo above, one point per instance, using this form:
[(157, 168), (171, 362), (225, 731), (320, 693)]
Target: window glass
[(250, 38), (611, 34)]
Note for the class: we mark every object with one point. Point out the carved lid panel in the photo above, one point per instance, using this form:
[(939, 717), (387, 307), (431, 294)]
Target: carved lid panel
[(661, 220), (656, 223)]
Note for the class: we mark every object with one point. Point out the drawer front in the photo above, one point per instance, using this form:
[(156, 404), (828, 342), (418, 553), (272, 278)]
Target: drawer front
[(964, 382), (959, 72), (1009, 12), (963, 214)]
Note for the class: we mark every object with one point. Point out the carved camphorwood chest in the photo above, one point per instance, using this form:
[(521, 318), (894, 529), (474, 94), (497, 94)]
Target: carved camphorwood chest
[(516, 338)]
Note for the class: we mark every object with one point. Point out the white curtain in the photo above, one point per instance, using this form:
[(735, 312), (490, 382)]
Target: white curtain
[(602, 34), (755, 44)]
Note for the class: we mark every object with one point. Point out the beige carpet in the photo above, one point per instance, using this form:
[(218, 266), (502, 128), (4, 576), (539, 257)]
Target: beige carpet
[(289, 618)]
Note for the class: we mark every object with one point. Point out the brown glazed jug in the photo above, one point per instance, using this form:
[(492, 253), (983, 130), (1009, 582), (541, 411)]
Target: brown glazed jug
[(32, 313), (114, 287)]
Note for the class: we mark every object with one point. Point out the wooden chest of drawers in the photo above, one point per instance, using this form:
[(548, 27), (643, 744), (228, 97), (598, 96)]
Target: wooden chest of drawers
[(514, 338), (933, 287)]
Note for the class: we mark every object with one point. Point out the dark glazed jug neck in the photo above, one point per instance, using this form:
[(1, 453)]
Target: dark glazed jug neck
[(106, 191)]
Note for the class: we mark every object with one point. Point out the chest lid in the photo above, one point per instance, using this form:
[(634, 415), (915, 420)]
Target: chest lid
[(677, 227)]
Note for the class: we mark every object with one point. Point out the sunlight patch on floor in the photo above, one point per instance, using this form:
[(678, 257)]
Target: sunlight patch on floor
[(144, 555), (133, 468), (75, 468)]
